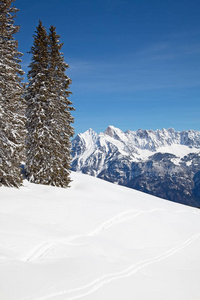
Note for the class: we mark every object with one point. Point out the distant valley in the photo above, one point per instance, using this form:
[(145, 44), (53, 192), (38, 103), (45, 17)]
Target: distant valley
[(164, 163)]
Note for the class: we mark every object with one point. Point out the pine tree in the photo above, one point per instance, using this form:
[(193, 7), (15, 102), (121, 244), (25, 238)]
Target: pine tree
[(63, 106), (11, 101), (37, 99), (48, 113)]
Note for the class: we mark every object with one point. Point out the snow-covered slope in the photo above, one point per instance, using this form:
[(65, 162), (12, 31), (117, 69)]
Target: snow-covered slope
[(159, 162), (96, 240)]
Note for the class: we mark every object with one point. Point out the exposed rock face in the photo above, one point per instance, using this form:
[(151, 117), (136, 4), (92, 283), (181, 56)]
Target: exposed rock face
[(165, 163), (196, 190)]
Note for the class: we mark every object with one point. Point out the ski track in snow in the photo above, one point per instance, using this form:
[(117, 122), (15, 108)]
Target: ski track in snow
[(91, 287), (40, 250), (122, 217)]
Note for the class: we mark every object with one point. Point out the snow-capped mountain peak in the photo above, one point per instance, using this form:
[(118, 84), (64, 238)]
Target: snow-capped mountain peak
[(126, 157), (115, 133)]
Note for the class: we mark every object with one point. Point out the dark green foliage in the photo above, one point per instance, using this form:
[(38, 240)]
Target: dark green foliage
[(11, 101), (48, 113)]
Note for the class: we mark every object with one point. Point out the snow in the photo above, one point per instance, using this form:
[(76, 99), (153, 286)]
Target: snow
[(89, 138), (96, 240), (135, 145), (178, 150)]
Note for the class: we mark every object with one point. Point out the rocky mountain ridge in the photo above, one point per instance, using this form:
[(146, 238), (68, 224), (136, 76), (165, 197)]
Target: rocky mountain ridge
[(165, 163)]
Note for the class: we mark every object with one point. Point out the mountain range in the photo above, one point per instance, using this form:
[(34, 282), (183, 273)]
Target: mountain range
[(164, 163)]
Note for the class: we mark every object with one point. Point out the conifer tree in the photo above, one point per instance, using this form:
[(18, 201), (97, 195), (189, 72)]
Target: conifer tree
[(63, 106), (48, 113), (11, 102), (37, 100)]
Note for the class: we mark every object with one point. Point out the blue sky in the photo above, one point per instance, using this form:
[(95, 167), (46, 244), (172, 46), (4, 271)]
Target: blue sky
[(133, 63)]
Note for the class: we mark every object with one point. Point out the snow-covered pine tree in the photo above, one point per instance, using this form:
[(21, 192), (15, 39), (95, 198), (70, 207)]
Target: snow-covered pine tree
[(48, 113), (12, 120), (37, 100), (62, 118)]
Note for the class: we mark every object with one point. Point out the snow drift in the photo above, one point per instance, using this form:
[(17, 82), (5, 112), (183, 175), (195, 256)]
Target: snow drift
[(96, 240)]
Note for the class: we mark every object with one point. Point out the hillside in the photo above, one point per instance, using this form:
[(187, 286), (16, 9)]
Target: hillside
[(164, 163), (96, 240)]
